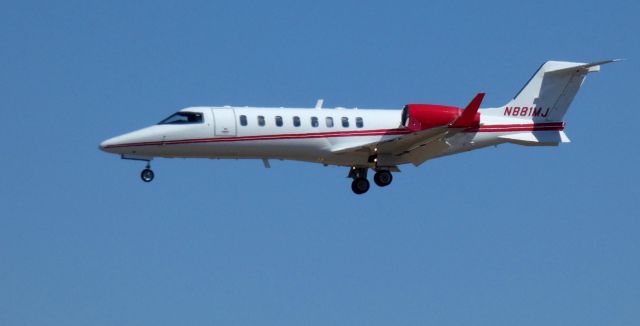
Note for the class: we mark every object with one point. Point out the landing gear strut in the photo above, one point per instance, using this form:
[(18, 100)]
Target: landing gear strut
[(147, 174)]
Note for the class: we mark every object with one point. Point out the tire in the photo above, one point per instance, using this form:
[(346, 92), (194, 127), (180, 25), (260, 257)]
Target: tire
[(383, 178), (146, 175), (360, 186)]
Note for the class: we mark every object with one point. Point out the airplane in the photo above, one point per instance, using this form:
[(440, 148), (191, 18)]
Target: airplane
[(362, 139)]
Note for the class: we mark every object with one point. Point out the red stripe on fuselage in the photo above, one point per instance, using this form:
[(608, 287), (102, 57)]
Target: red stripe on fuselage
[(376, 132), (357, 133)]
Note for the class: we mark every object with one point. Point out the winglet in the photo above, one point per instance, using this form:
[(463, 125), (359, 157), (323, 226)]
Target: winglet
[(468, 116)]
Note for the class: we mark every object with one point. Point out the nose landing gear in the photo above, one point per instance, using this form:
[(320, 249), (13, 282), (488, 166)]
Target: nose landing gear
[(147, 174)]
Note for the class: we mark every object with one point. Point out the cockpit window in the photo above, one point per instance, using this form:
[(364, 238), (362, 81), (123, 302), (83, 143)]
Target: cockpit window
[(180, 118)]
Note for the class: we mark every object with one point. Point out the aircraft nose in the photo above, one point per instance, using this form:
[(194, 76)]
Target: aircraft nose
[(106, 145), (121, 144), (132, 142)]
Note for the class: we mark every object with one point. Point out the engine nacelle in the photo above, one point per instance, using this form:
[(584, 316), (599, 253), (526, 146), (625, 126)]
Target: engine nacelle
[(424, 116)]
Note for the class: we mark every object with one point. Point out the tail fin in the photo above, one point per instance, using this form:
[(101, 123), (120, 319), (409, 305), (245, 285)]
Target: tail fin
[(549, 92)]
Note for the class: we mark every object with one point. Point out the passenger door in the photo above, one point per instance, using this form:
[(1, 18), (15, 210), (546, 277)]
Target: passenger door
[(225, 121)]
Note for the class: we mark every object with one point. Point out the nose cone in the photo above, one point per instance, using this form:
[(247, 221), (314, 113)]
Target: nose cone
[(110, 145), (119, 144), (133, 142)]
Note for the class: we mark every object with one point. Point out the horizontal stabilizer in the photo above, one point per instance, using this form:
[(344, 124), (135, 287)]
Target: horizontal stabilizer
[(590, 67), (537, 138)]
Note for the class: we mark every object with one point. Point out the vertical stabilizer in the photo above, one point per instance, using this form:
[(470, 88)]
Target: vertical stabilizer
[(549, 93)]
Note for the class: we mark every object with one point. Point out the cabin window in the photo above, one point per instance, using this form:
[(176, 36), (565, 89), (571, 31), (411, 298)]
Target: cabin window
[(345, 122), (314, 122), (180, 118), (261, 120), (296, 121), (278, 121), (359, 122), (243, 120), (329, 122)]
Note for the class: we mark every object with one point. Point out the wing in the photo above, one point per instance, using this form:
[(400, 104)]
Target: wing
[(393, 145), (407, 144)]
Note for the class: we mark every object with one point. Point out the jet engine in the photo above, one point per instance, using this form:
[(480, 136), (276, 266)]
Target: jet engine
[(424, 116)]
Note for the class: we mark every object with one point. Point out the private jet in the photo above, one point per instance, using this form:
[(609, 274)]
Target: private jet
[(362, 139)]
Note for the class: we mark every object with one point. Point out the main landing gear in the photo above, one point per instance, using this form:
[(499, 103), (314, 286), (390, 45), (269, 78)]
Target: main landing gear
[(382, 178), (147, 174), (360, 184)]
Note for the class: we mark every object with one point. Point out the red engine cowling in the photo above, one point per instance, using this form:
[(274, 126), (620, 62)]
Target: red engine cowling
[(424, 116)]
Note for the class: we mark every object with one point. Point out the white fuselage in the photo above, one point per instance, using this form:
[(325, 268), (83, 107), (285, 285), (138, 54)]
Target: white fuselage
[(222, 135), (363, 139), (304, 134)]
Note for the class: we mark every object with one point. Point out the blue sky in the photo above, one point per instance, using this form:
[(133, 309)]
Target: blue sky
[(504, 236)]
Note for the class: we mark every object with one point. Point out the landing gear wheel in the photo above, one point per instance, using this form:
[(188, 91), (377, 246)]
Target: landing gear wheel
[(146, 175), (382, 178), (360, 185)]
